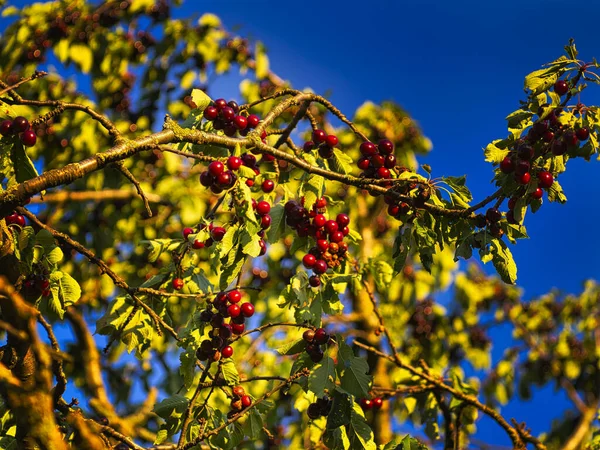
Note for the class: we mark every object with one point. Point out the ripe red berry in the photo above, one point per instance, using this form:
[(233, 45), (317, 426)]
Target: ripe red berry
[(309, 261), (331, 226), (28, 138), (177, 283), (523, 179), (240, 122), (582, 134), (216, 168), (263, 208), (211, 113), (314, 281), (246, 401), (234, 296), (319, 136), (224, 179), (377, 403), (537, 194), (6, 128), (493, 215), (368, 149), (268, 186), (308, 146), (320, 266), (321, 336), (227, 113), (383, 172), (559, 147), (385, 147), (378, 160), (322, 245), (227, 351), (253, 120), (561, 87), (265, 222), (20, 124), (548, 136), (44, 284), (507, 165), (336, 237), (512, 203), (342, 219), (545, 179), (220, 103), (187, 231), (217, 233), (247, 309), (331, 141), (321, 203), (234, 163), (197, 244), (366, 404), (390, 162), (206, 179), (363, 163), (234, 310), (238, 328), (319, 221)]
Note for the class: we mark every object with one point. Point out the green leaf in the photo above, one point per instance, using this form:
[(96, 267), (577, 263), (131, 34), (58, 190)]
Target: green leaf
[(261, 61), (322, 377), (359, 432), (341, 162), (495, 154), (458, 185), (171, 407), (55, 255), (230, 272), (230, 373), (277, 228), (336, 439), (503, 261), (312, 189), (254, 424), (541, 80), (157, 246), (292, 348), (352, 371), (401, 248), (23, 166), (404, 443), (341, 411), (70, 290)]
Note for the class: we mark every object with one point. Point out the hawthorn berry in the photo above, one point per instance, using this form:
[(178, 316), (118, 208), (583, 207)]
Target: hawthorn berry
[(234, 310), (227, 351), (238, 328), (216, 168), (368, 149), (211, 113), (177, 283), (377, 403), (561, 87), (308, 335), (197, 244), (240, 122), (385, 146), (234, 296), (308, 146), (336, 237), (247, 309), (220, 103), (319, 136), (246, 401), (187, 231), (507, 165), (265, 222), (537, 194), (524, 178), (366, 404), (331, 141), (234, 163), (321, 336), (493, 215), (545, 179), (253, 120), (320, 266), (559, 147)]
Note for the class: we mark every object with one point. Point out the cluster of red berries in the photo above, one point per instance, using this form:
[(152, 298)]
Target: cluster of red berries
[(224, 116), (491, 220), (423, 321), (478, 338), (216, 235), (377, 160), (367, 404), (15, 219), (320, 408), (224, 306), (19, 126), (262, 209), (330, 247), (217, 178), (325, 143), (239, 400), (41, 283), (520, 161), (314, 340)]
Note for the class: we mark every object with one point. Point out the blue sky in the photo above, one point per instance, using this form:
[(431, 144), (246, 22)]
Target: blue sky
[(458, 68)]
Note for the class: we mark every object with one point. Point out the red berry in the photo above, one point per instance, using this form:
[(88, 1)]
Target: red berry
[(383, 172), (217, 233), (206, 179), (224, 179), (238, 328), (240, 122), (44, 284), (582, 134), (385, 147), (211, 113), (238, 391), (308, 146), (548, 136), (331, 141), (187, 231), (321, 203), (246, 401), (220, 103), (331, 226), (363, 163), (247, 309), (319, 221), (342, 220), (390, 162), (309, 260), (377, 403), (265, 222), (234, 163), (378, 160), (322, 245), (268, 186), (366, 404), (314, 281), (321, 336), (319, 136), (320, 266), (523, 179), (336, 237), (6, 128), (368, 149), (227, 113), (227, 351), (559, 147), (393, 210), (177, 283), (216, 168), (263, 208), (561, 87), (234, 310), (20, 124), (493, 215), (234, 296), (545, 179), (325, 152), (512, 203), (507, 165), (253, 120), (28, 138), (197, 245), (537, 194)]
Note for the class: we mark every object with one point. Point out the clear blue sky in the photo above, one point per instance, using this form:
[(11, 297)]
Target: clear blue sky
[(458, 68)]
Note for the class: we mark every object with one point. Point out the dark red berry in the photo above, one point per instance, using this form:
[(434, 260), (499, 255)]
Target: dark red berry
[(385, 147), (217, 233), (526, 152), (308, 335), (366, 404), (363, 163), (227, 113), (20, 124), (321, 203), (319, 221), (197, 244), (224, 179), (537, 194), (187, 231), (238, 328), (220, 103), (246, 401), (582, 134), (211, 113), (331, 226), (314, 281), (331, 141), (337, 236), (309, 261), (177, 283), (507, 165), (383, 172), (268, 186), (240, 122), (559, 147), (265, 222), (216, 168), (321, 336), (378, 160), (522, 167), (493, 215), (247, 309), (253, 120), (6, 128), (561, 87), (227, 351), (314, 411), (368, 149), (342, 219), (523, 179), (545, 179), (548, 136), (390, 162), (512, 203), (308, 146), (326, 152), (206, 179), (377, 403), (320, 266), (319, 136)]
